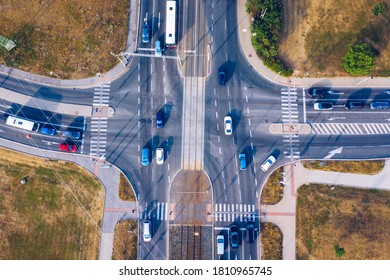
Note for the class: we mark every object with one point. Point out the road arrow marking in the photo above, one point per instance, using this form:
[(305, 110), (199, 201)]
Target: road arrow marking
[(332, 153)]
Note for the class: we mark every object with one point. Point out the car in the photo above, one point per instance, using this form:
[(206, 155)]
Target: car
[(379, 105), (220, 244), (268, 163), (159, 120), (147, 231), (67, 147), (242, 159), (160, 155), (234, 238), (228, 125), (48, 131), (323, 106), (158, 50), (145, 33), (222, 76), (250, 231), (353, 105), (145, 156), (71, 134), (318, 92)]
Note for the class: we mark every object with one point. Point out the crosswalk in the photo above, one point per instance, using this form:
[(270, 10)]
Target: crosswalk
[(101, 99), (290, 114), (351, 128), (222, 212), (233, 212)]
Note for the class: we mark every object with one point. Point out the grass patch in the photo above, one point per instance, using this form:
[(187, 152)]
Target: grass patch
[(370, 167), (125, 190), (73, 39), (271, 241), (125, 241), (55, 215), (342, 223), (272, 192)]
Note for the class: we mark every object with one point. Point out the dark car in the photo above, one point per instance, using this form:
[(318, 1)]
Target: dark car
[(222, 76), (354, 105), (234, 238), (145, 33), (250, 231), (71, 134), (159, 120), (318, 92), (48, 130)]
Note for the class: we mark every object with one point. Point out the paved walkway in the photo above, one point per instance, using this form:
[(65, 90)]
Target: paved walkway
[(283, 213)]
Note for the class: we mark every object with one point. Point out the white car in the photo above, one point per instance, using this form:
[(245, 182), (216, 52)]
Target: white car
[(268, 163), (228, 125), (160, 155)]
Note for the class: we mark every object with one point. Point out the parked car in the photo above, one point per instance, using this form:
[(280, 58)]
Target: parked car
[(67, 147), (48, 131), (268, 163), (354, 105), (234, 237), (228, 125), (222, 76), (71, 134), (159, 120), (318, 92), (242, 159), (145, 33), (160, 155), (379, 105), (323, 106)]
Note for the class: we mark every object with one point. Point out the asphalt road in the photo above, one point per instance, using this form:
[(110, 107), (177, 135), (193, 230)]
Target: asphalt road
[(156, 84)]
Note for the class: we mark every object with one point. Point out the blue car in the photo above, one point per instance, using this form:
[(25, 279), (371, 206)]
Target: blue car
[(48, 131)]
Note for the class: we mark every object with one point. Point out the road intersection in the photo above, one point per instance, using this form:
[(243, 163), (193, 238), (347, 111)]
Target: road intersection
[(271, 115)]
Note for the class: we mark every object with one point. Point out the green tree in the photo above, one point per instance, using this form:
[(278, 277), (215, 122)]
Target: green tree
[(339, 250), (379, 9), (360, 60)]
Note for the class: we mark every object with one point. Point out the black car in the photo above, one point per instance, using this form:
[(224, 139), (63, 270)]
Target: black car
[(250, 231), (234, 238), (318, 92), (354, 105), (159, 120), (222, 76)]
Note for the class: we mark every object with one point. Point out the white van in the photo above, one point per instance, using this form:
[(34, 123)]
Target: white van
[(220, 244), (147, 231)]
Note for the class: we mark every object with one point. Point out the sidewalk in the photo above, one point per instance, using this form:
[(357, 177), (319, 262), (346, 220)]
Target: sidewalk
[(283, 213), (244, 32)]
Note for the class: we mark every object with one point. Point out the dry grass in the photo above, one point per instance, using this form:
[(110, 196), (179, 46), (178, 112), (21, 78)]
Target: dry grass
[(358, 167), (272, 192), (125, 190), (318, 33), (71, 38), (271, 242), (357, 220), (57, 214), (125, 241)]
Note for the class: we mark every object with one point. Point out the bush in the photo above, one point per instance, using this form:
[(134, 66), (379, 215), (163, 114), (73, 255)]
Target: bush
[(360, 60), (267, 26), (379, 9)]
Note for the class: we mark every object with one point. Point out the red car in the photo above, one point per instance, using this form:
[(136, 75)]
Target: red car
[(67, 148)]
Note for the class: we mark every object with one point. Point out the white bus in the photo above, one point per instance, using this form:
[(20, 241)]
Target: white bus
[(22, 123), (170, 31)]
